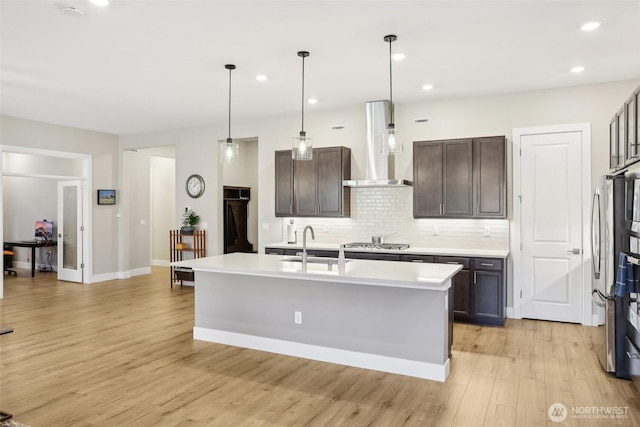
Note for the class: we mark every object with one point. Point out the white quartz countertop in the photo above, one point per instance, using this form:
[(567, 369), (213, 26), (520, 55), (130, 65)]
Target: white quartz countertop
[(363, 272), (413, 250)]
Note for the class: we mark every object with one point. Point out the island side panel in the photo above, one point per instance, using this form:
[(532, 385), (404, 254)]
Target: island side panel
[(404, 323)]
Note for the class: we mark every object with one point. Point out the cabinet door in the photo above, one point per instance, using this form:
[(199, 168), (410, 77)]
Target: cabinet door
[(614, 158), (632, 128), (305, 190), (487, 295), (457, 178), (489, 165), (330, 188), (427, 179), (622, 137), (284, 183), (460, 283)]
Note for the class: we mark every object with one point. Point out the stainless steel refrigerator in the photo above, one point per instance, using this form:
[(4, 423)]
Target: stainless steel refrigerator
[(607, 241)]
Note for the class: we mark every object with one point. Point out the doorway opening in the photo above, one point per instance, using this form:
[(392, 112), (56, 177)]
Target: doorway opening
[(240, 199), (30, 180)]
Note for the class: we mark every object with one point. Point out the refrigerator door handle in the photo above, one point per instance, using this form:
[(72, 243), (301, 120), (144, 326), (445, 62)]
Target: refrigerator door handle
[(597, 297), (601, 298), (595, 235)]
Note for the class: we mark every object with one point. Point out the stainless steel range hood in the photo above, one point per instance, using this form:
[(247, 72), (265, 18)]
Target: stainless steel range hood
[(380, 169)]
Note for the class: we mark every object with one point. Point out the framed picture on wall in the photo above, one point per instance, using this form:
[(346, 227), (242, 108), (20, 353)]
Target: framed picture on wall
[(106, 197)]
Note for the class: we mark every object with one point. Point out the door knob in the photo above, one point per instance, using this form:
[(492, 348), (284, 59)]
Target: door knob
[(574, 251)]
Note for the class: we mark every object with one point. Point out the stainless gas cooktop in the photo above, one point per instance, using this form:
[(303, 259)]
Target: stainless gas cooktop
[(386, 246)]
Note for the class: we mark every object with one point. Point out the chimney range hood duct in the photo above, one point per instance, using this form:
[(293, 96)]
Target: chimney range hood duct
[(380, 169)]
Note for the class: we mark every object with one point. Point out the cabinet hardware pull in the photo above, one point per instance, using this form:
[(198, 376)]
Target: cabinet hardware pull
[(486, 264), (475, 278), (416, 260)]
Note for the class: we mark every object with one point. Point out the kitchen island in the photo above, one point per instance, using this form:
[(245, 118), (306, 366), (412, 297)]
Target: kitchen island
[(391, 317)]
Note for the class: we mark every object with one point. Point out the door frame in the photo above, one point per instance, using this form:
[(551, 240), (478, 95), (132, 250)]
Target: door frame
[(87, 168), (80, 229), (588, 313)]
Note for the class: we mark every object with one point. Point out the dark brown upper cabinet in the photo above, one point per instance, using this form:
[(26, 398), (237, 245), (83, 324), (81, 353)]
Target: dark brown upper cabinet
[(489, 167), (615, 160), (314, 187), (631, 112), (459, 178), (622, 137), (284, 183), (624, 134)]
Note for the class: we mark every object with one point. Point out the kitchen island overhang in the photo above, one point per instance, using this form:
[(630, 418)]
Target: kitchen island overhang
[(387, 316)]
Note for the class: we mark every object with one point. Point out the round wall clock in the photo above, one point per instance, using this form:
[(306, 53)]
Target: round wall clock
[(195, 186)]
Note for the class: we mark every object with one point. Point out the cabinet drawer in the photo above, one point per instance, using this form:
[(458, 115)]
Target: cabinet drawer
[(372, 255), (321, 253), (453, 260), (273, 251), (416, 258), (487, 264)]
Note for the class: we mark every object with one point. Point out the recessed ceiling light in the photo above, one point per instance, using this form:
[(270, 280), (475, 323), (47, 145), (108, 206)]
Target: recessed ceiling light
[(427, 87), (398, 56), (72, 11), (578, 69), (261, 77), (100, 2), (590, 26), (312, 101)]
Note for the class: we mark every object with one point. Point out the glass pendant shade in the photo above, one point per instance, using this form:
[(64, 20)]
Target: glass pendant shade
[(302, 148), (229, 152), (391, 137), (392, 143)]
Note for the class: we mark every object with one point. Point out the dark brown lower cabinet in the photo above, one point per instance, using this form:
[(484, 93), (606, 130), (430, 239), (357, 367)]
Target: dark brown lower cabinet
[(460, 284), (487, 287)]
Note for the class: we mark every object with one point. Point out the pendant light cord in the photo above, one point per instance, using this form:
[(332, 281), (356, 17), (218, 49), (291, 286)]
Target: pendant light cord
[(302, 130), (229, 137), (391, 80)]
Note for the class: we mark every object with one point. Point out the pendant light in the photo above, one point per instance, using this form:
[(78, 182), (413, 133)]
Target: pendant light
[(229, 150), (391, 138), (302, 146)]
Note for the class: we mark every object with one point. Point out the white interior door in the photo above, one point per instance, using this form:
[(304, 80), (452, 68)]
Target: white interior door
[(551, 227), (70, 230)]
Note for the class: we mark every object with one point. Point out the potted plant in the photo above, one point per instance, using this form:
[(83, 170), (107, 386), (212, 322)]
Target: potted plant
[(189, 221)]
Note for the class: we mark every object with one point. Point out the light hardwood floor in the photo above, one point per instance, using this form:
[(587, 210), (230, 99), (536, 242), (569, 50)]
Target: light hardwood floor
[(121, 353)]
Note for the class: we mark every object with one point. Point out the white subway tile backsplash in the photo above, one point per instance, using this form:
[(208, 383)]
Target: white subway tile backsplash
[(380, 211)]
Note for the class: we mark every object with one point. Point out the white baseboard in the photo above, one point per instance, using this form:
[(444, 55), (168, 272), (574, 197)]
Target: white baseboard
[(160, 263), (413, 368), (510, 312), (140, 271)]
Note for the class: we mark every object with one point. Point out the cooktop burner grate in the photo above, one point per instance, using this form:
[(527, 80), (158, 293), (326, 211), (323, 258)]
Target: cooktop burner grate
[(386, 246)]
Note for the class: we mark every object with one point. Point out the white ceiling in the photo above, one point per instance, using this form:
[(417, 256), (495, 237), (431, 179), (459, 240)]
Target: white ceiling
[(140, 66)]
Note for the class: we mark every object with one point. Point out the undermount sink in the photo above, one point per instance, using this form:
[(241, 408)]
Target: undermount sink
[(314, 260)]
